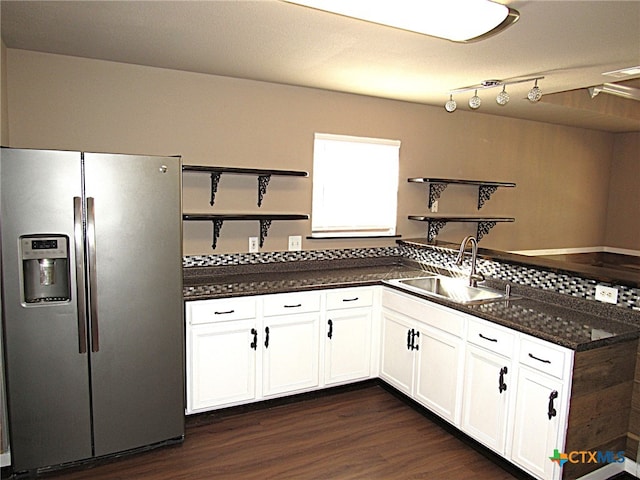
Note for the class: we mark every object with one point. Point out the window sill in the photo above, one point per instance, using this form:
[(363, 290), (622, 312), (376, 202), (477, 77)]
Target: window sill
[(350, 237)]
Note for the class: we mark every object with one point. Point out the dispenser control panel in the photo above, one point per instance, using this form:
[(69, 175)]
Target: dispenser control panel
[(43, 247), (45, 269)]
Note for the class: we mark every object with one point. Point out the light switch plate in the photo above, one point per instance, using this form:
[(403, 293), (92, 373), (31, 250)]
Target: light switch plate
[(606, 294)]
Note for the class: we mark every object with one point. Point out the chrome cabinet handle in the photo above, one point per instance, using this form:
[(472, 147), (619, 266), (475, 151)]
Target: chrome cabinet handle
[(93, 278), (78, 242)]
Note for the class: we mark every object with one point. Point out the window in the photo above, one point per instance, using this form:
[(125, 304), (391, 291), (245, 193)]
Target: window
[(355, 186)]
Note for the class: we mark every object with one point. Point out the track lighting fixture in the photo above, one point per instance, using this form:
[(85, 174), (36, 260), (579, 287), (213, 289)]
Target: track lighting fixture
[(534, 95), (503, 96), (451, 105), (475, 101)]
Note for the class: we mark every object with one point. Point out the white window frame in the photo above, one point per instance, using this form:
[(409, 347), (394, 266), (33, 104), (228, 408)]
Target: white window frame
[(355, 186)]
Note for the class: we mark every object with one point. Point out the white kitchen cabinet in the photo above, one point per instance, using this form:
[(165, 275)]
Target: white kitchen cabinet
[(290, 346), (487, 386), (439, 373), (220, 352), (222, 364), (398, 346), (535, 432), (488, 383), (541, 407), (422, 354), (348, 335)]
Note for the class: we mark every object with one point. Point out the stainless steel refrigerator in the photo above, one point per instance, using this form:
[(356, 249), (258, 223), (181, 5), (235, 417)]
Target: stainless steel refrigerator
[(91, 303)]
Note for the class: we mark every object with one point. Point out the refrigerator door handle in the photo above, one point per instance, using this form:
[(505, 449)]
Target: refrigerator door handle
[(80, 280), (93, 291)]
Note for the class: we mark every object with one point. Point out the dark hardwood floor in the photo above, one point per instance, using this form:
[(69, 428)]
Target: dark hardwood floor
[(365, 433)]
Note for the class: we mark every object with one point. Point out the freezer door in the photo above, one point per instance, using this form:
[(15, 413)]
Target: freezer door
[(47, 375), (134, 232)]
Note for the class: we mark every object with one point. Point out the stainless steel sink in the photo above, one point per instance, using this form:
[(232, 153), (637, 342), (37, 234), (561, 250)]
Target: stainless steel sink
[(453, 289)]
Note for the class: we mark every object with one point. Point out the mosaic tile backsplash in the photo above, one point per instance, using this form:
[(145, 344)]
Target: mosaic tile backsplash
[(435, 257)]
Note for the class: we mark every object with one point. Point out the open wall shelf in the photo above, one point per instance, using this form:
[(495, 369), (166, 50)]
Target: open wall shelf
[(436, 222), (438, 185), (265, 219), (217, 219), (264, 175)]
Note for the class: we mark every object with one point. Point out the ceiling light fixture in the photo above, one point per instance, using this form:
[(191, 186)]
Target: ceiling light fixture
[(455, 20), (503, 96), (534, 95), (614, 89), (475, 101), (451, 105)]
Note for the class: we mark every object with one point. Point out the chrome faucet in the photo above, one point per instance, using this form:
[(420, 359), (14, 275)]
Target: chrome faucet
[(474, 276)]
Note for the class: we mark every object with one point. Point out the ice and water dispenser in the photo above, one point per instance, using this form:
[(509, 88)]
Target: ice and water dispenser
[(45, 268)]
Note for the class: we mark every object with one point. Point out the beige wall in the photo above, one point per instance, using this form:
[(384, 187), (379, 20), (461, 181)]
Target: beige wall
[(4, 109), (623, 214), (70, 103)]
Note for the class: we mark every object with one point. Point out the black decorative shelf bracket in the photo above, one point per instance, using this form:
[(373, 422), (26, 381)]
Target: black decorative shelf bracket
[(484, 194), (215, 179), (484, 228), (433, 228), (435, 190), (263, 181), (217, 226), (264, 229)]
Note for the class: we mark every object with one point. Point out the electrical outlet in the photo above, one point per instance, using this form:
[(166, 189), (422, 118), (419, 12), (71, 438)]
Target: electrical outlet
[(606, 294), (253, 245), (434, 206), (295, 243)]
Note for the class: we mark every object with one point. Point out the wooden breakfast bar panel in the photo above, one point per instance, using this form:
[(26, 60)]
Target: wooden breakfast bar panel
[(600, 403)]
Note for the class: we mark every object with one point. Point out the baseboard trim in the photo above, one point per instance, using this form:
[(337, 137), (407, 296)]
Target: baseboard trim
[(613, 470)]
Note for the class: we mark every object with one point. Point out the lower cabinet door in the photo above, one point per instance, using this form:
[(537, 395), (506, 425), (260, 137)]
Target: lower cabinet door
[(540, 409), (290, 353), (397, 351), (439, 373), (348, 345), (485, 399), (222, 364)]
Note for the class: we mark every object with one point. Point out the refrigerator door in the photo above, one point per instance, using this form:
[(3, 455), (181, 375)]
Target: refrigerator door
[(134, 233), (47, 375)]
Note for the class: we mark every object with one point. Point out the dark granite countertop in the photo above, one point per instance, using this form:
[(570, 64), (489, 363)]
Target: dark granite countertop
[(567, 321)]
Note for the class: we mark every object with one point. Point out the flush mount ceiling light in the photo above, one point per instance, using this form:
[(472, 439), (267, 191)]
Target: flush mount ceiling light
[(455, 20), (534, 95)]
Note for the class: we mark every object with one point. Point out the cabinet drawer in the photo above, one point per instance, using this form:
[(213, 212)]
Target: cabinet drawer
[(349, 298), (220, 310), (547, 358), (492, 338), (288, 303)]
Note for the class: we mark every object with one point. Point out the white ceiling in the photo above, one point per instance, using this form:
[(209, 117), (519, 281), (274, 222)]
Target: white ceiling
[(570, 43)]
